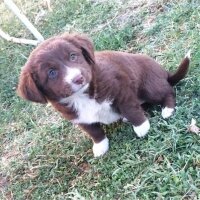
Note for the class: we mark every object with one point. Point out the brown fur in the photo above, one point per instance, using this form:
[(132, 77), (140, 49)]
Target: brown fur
[(127, 79)]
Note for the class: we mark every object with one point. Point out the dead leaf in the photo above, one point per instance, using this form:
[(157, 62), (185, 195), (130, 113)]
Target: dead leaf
[(193, 128), (49, 5), (84, 167), (159, 159), (40, 16)]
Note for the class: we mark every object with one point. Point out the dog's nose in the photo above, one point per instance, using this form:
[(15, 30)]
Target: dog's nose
[(78, 79)]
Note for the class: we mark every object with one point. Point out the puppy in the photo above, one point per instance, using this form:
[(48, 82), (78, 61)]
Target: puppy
[(90, 88)]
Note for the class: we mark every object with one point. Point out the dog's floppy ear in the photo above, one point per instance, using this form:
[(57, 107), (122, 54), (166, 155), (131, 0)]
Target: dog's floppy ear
[(27, 88), (84, 43), (87, 56)]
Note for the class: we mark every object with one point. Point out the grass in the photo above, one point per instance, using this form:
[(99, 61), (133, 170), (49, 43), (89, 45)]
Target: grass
[(45, 157)]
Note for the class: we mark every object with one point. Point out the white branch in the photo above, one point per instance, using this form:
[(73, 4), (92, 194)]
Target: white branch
[(17, 40), (24, 19), (49, 5)]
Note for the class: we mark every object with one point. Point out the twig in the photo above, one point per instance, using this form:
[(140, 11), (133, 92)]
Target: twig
[(24, 19), (49, 5), (104, 25), (17, 40)]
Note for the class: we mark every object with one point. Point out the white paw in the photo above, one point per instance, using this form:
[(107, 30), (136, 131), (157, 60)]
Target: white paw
[(143, 129), (99, 149), (167, 112)]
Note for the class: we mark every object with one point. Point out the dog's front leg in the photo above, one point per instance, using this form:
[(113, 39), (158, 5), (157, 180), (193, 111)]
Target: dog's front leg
[(135, 114), (100, 141)]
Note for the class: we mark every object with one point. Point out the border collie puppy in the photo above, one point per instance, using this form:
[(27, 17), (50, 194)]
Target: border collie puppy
[(92, 88)]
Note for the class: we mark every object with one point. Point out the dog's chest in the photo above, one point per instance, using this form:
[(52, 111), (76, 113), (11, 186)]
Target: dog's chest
[(90, 111)]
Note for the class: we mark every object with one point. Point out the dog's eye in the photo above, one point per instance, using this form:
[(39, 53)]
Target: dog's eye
[(73, 57), (52, 73)]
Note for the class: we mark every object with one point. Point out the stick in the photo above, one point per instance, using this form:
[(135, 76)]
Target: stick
[(17, 40), (24, 19), (49, 5)]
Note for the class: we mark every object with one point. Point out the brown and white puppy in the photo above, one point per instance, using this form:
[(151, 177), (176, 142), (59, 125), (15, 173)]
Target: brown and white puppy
[(90, 88)]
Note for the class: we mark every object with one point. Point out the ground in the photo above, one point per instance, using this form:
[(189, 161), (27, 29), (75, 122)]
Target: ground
[(45, 157)]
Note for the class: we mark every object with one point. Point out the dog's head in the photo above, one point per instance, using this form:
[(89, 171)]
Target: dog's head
[(57, 68)]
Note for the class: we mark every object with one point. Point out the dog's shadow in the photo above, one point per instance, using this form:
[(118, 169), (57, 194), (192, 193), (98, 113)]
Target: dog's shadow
[(122, 132)]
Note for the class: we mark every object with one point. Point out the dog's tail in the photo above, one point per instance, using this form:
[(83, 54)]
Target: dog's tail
[(173, 79)]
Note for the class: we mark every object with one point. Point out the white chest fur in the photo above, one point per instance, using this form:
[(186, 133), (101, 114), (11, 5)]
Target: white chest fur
[(90, 111)]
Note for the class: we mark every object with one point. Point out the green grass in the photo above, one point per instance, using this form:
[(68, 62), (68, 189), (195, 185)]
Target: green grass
[(45, 157)]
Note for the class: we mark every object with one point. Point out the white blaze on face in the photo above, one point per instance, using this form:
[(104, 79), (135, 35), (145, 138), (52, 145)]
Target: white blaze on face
[(72, 73)]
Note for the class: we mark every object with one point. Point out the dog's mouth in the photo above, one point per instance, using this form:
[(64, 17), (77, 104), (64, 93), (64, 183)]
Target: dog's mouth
[(76, 93), (76, 79), (78, 84), (77, 89), (83, 88)]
